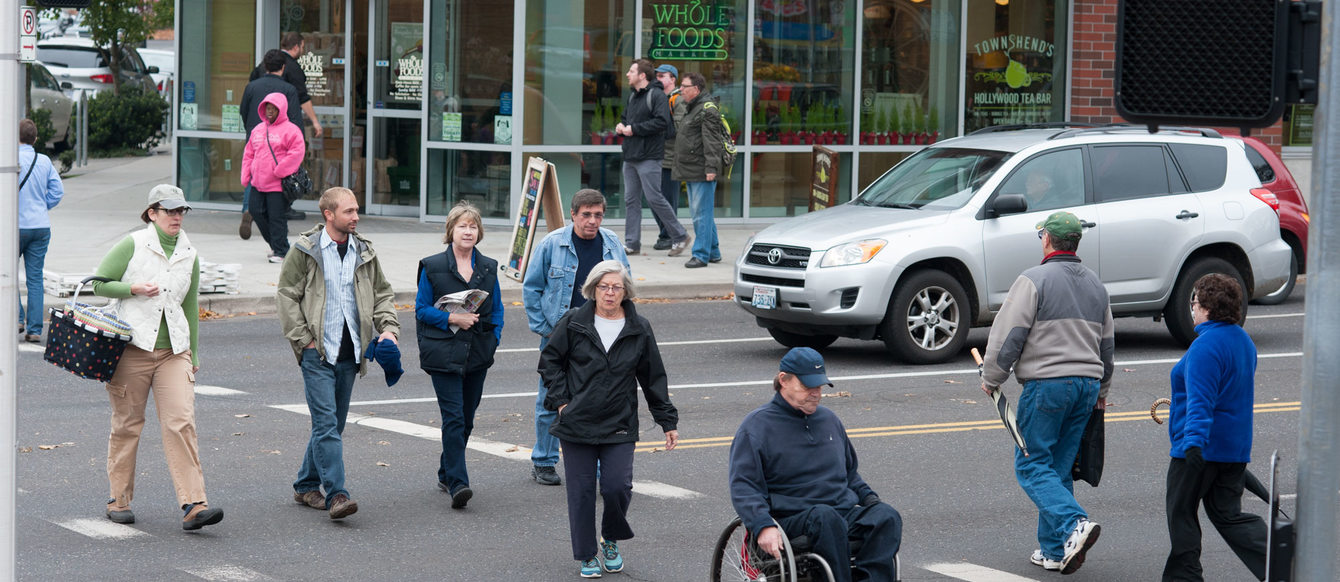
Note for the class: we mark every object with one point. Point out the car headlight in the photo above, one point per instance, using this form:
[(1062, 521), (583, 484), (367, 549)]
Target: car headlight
[(853, 253)]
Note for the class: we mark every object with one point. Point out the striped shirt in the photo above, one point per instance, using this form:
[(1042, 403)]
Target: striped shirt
[(341, 305)]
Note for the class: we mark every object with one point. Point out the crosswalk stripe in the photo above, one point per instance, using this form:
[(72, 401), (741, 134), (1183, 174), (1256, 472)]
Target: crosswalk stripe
[(975, 573), (100, 529), (227, 574), (207, 390)]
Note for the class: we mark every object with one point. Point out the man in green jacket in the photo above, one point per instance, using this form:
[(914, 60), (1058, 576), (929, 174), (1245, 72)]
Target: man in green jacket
[(333, 300), (699, 148)]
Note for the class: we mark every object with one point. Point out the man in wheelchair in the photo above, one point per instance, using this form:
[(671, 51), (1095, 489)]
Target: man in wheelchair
[(792, 461)]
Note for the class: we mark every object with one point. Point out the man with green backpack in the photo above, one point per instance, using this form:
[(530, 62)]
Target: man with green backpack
[(703, 152)]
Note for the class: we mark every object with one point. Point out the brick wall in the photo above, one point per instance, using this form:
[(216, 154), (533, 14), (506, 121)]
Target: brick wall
[(1094, 37)]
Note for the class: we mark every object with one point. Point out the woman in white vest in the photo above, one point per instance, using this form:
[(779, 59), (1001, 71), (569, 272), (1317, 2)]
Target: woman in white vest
[(155, 275)]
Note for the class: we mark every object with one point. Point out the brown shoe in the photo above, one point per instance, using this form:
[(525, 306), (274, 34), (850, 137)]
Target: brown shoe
[(244, 230), (200, 515), (313, 499), (341, 506), (32, 338), (120, 513)]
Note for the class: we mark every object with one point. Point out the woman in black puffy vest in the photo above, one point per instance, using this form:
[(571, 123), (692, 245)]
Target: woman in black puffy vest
[(457, 338)]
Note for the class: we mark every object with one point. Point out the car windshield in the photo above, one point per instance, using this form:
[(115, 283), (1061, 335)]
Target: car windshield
[(70, 57), (933, 178)]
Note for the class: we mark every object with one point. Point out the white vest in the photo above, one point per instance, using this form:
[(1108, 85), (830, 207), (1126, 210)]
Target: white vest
[(150, 264)]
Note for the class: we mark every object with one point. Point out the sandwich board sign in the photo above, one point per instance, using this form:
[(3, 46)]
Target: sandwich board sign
[(539, 190)]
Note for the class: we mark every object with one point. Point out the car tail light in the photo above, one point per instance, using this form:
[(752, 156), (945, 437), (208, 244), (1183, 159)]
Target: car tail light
[(1268, 197), (104, 78), (160, 86)]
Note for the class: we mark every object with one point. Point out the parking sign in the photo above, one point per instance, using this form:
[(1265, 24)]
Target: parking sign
[(27, 34)]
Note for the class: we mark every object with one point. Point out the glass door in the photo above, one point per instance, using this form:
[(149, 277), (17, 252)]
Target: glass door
[(394, 107), (323, 25)]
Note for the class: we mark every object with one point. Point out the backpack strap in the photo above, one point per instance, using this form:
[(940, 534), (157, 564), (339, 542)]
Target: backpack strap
[(30, 170)]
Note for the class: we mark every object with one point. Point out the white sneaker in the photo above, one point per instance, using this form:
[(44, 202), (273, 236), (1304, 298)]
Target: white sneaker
[(678, 248), (273, 258), (1081, 539), (1040, 560)]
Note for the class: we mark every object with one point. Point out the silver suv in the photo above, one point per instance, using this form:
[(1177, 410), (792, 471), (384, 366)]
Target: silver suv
[(931, 248)]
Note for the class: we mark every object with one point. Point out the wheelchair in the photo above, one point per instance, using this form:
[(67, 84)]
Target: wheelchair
[(737, 558)]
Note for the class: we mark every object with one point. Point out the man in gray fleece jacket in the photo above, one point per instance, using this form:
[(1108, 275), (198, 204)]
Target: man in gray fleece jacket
[(1055, 331)]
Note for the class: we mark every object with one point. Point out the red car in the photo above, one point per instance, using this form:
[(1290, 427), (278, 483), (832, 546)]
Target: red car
[(1292, 210)]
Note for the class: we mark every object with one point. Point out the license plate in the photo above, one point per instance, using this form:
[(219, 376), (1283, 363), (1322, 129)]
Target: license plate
[(765, 297)]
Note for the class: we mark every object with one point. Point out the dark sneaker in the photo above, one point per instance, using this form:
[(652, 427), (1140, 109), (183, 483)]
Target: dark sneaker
[(313, 499), (590, 568), (694, 263), (244, 230), (715, 260), (199, 515), (295, 215), (119, 513), (545, 475), (609, 551), (1081, 539), (661, 244), (461, 496), (341, 506), (681, 246), (32, 338)]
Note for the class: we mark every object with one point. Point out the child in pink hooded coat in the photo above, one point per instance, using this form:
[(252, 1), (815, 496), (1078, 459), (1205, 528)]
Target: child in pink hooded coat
[(264, 171)]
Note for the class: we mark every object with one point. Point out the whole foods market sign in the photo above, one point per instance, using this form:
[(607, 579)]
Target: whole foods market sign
[(690, 31)]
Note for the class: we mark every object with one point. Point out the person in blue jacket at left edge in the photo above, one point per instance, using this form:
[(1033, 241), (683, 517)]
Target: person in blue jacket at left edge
[(456, 349)]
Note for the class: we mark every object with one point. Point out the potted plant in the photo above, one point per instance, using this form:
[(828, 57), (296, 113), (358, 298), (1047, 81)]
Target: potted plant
[(907, 125), (597, 124), (934, 125), (892, 125), (839, 127), (612, 116), (759, 133), (919, 120), (868, 127)]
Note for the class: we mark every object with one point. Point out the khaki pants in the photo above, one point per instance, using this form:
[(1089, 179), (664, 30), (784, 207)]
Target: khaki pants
[(169, 376)]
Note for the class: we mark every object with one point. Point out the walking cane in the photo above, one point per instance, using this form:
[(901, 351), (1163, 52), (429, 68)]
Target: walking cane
[(1252, 483)]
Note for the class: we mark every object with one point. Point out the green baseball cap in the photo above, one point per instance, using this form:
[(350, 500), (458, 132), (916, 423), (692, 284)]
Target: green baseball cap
[(1062, 225)]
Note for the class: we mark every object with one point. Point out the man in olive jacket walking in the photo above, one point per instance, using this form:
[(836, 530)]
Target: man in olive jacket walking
[(333, 300), (699, 148)]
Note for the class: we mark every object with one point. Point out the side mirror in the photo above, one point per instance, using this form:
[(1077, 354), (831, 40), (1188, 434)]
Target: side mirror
[(153, 69), (1008, 204), (66, 85)]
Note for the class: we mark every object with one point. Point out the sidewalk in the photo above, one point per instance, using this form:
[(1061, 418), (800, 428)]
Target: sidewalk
[(103, 201)]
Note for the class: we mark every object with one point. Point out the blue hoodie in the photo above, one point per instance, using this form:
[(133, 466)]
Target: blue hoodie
[(783, 462), (1213, 393)]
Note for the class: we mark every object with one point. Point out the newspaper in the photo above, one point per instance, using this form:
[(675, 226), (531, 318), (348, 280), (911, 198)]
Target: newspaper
[(467, 301)]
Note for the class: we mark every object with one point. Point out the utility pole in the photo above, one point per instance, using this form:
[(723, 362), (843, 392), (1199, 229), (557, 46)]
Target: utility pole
[(9, 280), (1318, 436)]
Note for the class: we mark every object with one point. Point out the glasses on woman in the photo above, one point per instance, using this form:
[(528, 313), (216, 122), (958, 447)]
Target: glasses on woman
[(609, 288), (173, 211)]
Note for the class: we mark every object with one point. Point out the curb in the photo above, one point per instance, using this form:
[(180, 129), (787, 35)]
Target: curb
[(226, 305)]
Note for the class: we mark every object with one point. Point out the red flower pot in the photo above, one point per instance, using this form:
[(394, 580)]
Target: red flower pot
[(596, 139), (840, 138), (882, 138), (935, 136), (921, 138), (609, 139)]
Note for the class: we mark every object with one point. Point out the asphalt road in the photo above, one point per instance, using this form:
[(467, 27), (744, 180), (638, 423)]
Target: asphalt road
[(926, 438)]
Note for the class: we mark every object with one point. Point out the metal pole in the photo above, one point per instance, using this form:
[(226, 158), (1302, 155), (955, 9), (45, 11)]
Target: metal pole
[(9, 282), (1318, 439), (82, 157)]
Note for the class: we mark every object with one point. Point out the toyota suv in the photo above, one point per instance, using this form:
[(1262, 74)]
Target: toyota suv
[(931, 248)]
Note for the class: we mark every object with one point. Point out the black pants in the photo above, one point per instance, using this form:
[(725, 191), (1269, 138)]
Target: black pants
[(1219, 486), (268, 210), (581, 464), (879, 526)]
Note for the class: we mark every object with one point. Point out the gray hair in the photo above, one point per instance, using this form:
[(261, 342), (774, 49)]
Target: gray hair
[(599, 271)]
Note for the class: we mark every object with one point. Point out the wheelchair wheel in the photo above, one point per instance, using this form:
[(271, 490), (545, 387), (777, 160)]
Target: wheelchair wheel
[(738, 559)]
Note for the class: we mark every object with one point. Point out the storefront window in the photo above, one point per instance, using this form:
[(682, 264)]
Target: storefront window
[(210, 170), (470, 85), (803, 72), (216, 63), (780, 183), (576, 55), (909, 71), (321, 23), (480, 177), (1298, 125), (599, 171), (1015, 62), (875, 164)]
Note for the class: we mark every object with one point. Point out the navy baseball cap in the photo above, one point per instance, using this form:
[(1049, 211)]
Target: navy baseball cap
[(807, 365), (668, 69)]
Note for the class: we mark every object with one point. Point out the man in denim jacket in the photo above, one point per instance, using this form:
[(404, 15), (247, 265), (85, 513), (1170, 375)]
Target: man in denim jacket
[(558, 266)]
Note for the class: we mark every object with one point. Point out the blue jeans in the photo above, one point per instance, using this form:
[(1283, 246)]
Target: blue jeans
[(328, 391), (702, 199), (457, 399), (33, 248), (246, 197), (1052, 415), (670, 190), (545, 453)]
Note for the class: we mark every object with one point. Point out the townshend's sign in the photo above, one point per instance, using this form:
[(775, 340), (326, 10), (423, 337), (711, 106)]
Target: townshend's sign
[(690, 31)]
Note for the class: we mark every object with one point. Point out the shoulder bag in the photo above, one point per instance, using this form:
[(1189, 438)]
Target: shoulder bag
[(296, 185)]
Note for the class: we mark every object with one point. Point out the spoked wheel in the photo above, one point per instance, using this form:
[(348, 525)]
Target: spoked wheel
[(738, 559)]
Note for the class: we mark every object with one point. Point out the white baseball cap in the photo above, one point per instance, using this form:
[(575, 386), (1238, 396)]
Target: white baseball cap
[(168, 196)]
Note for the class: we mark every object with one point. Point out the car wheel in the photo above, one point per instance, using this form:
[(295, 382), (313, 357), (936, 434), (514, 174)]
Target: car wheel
[(1282, 293), (928, 319), (1177, 314), (797, 340)]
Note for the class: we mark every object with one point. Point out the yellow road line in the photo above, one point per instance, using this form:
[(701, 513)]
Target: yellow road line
[(943, 427)]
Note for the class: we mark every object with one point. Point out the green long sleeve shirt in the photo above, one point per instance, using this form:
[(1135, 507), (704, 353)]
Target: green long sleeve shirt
[(114, 266)]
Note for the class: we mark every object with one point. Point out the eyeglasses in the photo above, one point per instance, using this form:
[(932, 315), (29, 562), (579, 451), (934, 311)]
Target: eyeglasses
[(1040, 231), (590, 215), (610, 288), (1194, 302), (173, 211), (688, 86)]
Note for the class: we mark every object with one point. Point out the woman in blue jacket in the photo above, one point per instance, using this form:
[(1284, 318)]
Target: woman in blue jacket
[(456, 349), (1210, 426)]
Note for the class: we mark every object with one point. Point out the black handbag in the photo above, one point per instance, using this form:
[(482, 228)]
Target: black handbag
[(1089, 462), (296, 185)]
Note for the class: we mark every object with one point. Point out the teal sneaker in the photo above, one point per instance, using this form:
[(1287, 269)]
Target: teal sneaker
[(590, 568), (609, 550)]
